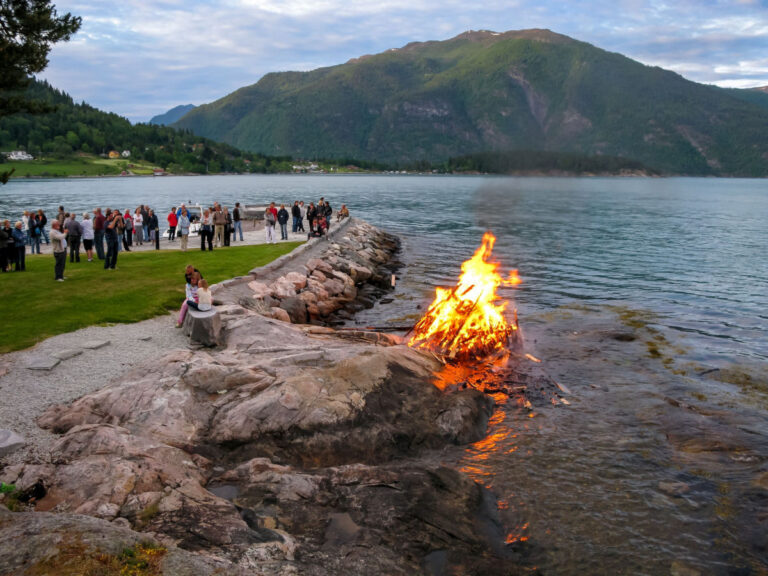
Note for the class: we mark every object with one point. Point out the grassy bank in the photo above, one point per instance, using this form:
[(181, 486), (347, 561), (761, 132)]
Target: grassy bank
[(81, 165), (145, 284)]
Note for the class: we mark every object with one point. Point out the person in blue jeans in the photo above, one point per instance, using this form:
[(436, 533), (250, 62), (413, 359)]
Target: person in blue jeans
[(282, 219), (236, 224), (296, 213), (43, 220)]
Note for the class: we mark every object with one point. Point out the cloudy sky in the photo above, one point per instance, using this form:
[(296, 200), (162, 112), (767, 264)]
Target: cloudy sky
[(139, 58)]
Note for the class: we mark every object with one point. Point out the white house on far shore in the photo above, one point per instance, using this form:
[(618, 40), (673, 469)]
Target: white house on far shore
[(20, 155)]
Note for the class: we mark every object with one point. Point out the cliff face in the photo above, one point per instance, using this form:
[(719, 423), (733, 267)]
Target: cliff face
[(484, 91)]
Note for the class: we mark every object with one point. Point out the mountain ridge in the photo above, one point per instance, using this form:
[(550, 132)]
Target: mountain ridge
[(172, 115), (485, 91)]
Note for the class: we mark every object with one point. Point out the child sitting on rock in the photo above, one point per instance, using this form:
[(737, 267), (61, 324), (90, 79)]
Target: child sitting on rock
[(204, 297)]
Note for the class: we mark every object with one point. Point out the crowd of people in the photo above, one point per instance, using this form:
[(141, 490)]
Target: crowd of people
[(103, 234), (318, 219)]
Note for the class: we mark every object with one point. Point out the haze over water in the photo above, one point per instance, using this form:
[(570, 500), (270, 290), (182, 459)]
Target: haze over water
[(679, 262)]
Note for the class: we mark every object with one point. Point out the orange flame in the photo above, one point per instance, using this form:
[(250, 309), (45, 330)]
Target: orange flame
[(467, 321)]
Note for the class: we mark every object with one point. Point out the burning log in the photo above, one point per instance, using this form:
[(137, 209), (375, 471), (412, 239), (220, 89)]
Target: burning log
[(467, 322)]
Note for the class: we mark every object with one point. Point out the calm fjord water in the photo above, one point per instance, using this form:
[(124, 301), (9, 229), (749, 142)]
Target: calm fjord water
[(655, 467)]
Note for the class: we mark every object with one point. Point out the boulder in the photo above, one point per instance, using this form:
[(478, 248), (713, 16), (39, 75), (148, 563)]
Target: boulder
[(280, 314), (319, 276), (333, 286), (203, 327), (321, 265), (296, 309), (260, 290), (298, 280), (283, 288)]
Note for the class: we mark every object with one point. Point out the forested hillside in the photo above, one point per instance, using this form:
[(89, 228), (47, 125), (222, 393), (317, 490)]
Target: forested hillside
[(480, 92), (72, 128)]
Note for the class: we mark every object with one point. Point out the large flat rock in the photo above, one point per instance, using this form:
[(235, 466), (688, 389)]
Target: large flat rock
[(43, 363)]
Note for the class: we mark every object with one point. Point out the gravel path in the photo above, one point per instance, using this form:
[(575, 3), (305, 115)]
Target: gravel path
[(25, 393)]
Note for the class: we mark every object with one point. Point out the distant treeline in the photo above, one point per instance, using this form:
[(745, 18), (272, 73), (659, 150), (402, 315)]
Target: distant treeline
[(522, 161)]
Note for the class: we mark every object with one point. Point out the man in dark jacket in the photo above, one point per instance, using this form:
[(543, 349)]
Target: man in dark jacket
[(282, 219), (236, 223), (74, 232), (296, 213), (98, 232), (110, 233)]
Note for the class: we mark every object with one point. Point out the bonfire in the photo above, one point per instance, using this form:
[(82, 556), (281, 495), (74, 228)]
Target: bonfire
[(469, 321)]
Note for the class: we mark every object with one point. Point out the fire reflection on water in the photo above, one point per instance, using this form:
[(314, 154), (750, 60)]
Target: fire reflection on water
[(511, 415)]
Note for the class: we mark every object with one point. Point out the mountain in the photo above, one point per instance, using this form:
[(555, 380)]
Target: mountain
[(173, 115), (483, 92)]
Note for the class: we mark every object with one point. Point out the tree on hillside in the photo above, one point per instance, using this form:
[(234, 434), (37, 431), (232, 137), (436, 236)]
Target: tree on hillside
[(28, 31)]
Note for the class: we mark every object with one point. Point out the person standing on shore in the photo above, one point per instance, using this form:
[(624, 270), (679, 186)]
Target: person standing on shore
[(74, 233), (34, 233), (183, 224), (59, 250), (227, 226), (311, 216), (98, 232), (282, 218), (154, 229), (120, 227), (145, 221), (11, 246), (110, 233), (328, 213), (270, 218), (296, 214), (21, 247), (236, 223), (302, 215), (173, 221), (87, 227), (138, 226), (206, 231), (219, 221), (128, 230), (43, 220)]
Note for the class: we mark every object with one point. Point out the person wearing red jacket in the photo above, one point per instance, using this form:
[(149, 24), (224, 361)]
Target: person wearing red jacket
[(173, 220)]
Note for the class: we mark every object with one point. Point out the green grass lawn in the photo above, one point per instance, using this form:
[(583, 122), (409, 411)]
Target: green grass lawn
[(145, 284), (55, 168), (75, 166)]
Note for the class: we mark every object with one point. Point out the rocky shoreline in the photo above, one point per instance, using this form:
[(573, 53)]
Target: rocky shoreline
[(291, 448)]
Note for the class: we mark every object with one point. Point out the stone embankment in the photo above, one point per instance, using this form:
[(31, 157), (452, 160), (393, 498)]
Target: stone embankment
[(290, 449), (322, 281)]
